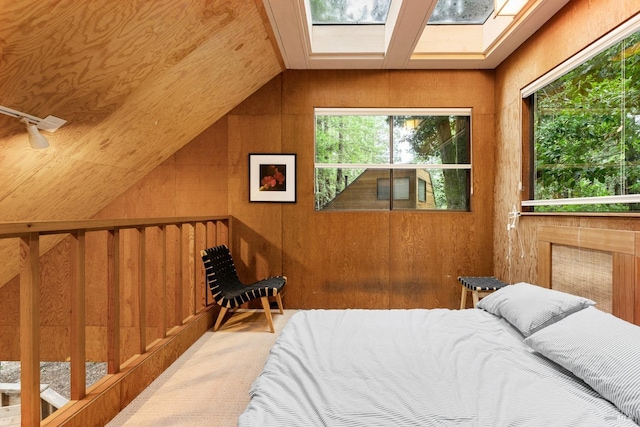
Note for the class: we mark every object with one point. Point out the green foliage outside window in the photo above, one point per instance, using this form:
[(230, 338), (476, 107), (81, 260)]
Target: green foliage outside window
[(587, 131)]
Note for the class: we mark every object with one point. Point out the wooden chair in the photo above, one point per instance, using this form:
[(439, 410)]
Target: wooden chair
[(229, 292)]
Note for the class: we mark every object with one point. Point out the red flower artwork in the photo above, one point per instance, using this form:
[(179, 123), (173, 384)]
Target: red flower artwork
[(273, 178)]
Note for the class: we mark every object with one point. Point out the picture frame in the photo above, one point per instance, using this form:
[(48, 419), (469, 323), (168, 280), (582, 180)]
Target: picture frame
[(272, 178)]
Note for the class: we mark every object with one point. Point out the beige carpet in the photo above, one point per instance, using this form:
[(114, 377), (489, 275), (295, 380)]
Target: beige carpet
[(209, 384)]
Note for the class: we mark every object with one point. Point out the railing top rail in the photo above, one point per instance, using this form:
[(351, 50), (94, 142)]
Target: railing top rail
[(18, 229)]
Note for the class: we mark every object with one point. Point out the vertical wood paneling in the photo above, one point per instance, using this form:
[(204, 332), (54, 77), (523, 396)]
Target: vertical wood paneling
[(257, 236), (30, 330), (359, 259)]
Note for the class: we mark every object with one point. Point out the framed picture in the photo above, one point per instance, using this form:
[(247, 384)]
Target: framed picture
[(272, 178)]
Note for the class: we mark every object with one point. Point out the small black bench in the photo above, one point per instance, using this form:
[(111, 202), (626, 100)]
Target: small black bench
[(479, 286)]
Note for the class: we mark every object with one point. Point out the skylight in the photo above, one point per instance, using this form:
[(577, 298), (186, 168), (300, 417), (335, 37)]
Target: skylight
[(349, 12), (448, 12)]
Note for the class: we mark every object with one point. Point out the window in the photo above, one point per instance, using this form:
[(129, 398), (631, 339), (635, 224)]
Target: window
[(422, 190), (585, 130), (400, 189), (424, 152)]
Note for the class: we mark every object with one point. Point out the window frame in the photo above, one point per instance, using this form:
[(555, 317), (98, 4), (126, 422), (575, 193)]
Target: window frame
[(355, 111), (527, 168)]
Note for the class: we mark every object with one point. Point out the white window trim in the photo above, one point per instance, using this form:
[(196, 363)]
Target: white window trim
[(626, 198), (392, 166), (393, 111)]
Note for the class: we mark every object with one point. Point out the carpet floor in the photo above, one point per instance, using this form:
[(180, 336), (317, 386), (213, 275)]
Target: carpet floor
[(209, 384)]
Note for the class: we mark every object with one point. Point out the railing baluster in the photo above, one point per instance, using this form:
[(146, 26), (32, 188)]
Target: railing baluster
[(195, 291), (142, 289), (77, 332), (30, 329), (181, 277), (192, 268), (163, 292), (113, 301)]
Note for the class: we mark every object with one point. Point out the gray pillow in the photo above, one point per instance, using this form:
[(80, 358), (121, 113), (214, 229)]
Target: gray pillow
[(602, 350), (530, 308)]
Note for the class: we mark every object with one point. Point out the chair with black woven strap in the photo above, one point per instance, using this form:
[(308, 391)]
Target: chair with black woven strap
[(479, 286), (229, 292)]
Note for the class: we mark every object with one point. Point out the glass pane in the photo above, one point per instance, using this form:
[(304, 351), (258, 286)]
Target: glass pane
[(434, 140), (400, 188), (350, 189), (349, 11), (587, 130), (461, 12), (352, 139), (368, 189), (446, 189), (422, 190)]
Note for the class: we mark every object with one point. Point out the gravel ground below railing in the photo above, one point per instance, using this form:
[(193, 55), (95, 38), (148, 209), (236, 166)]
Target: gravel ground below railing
[(56, 374)]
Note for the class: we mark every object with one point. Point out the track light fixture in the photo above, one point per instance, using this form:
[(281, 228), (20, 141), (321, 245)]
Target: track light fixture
[(36, 140), (34, 125)]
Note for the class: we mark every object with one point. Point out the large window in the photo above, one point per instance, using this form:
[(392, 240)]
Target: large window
[(424, 153), (585, 127)]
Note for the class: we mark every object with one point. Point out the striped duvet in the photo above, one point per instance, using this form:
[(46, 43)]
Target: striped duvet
[(416, 368)]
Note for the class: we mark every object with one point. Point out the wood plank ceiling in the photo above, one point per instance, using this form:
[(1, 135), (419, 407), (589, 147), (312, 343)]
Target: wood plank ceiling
[(135, 81)]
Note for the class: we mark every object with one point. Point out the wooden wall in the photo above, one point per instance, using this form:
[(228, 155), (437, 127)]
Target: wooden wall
[(359, 259), (576, 26)]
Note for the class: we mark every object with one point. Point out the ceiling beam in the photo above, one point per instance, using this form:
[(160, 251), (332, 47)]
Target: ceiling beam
[(405, 31)]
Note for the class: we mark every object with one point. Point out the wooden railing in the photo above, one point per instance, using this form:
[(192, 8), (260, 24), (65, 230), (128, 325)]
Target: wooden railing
[(189, 236)]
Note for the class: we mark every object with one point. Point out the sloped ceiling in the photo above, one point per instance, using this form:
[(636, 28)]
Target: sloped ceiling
[(135, 80)]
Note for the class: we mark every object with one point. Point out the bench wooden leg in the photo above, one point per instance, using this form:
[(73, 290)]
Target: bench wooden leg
[(463, 298), (279, 301), (267, 312), (476, 298)]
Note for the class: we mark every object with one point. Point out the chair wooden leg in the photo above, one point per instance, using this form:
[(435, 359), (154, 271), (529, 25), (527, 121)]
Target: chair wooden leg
[(463, 299), (279, 301), (223, 311), (267, 312)]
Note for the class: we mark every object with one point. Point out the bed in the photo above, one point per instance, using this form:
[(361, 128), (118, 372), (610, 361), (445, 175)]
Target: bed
[(559, 354), (510, 362)]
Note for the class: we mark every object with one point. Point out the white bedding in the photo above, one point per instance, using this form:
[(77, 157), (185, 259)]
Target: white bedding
[(416, 368)]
